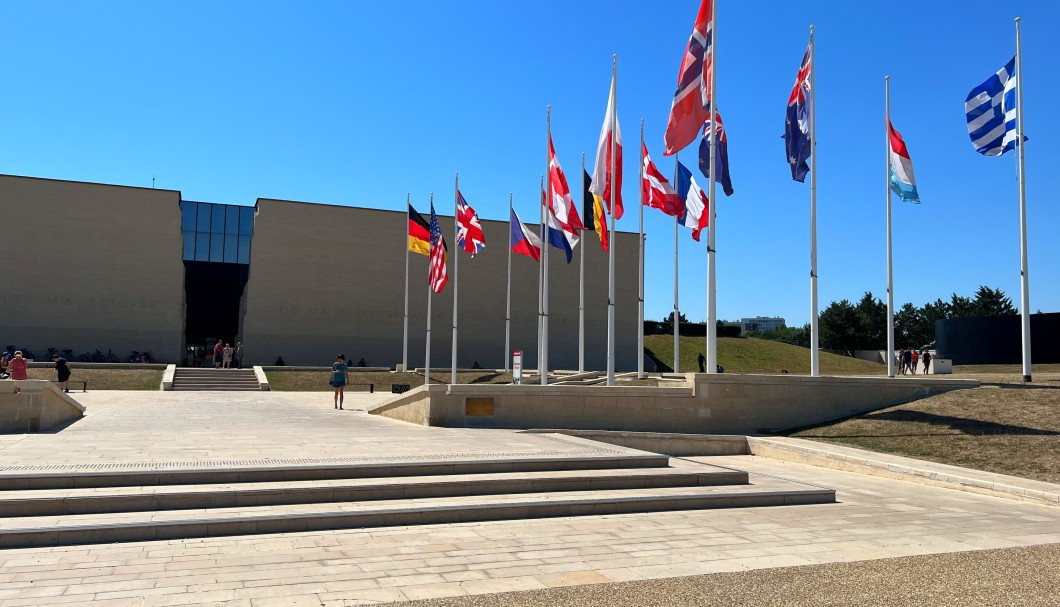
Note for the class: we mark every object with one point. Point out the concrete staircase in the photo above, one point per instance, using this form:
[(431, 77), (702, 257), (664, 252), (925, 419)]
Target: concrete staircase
[(191, 378), (62, 508)]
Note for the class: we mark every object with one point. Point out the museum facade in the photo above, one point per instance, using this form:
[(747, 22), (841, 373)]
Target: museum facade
[(123, 269)]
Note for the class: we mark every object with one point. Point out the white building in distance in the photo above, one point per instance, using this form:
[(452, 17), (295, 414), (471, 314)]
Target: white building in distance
[(761, 324)]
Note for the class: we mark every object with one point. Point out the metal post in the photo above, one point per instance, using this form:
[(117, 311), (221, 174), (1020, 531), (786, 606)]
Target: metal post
[(712, 228), (508, 300), (640, 261), (405, 323), (611, 252), (430, 293), (677, 313), (887, 194), (815, 367), (1025, 296), (456, 266), (581, 292)]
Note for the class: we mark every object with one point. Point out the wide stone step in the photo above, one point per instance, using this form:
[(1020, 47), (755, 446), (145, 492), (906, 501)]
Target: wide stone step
[(177, 524), (199, 388), (180, 497), (233, 472)]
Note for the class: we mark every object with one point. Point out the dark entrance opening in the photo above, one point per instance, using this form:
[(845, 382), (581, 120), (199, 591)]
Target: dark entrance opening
[(213, 293)]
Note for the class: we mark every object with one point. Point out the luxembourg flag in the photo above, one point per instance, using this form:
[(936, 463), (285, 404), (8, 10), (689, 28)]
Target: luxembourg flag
[(523, 241), (902, 181)]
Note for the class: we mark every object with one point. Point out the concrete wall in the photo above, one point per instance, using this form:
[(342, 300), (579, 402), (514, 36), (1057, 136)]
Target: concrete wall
[(39, 407), (326, 280), (718, 404), (90, 266)]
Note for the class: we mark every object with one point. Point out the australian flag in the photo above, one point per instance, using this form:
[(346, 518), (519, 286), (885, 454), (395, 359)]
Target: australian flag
[(721, 154), (797, 123)]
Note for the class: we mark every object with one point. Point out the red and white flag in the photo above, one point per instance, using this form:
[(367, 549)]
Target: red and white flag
[(657, 191), (561, 204), (607, 174), (691, 105)]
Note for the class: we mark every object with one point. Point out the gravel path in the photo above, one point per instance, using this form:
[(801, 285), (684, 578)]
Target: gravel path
[(1007, 577)]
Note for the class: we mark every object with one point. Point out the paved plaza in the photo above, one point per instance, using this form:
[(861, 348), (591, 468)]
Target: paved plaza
[(875, 517)]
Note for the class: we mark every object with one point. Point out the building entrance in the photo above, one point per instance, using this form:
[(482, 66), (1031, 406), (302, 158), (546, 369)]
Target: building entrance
[(213, 296)]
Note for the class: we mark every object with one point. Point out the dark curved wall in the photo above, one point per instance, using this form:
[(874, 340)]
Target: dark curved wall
[(997, 340)]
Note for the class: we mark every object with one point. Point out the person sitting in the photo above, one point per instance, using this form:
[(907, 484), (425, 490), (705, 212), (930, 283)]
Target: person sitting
[(279, 362), (362, 363), (476, 365)]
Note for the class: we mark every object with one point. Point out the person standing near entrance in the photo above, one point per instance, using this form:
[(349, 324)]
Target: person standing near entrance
[(226, 356), (927, 361), (915, 358), (338, 379), (217, 354), (17, 368), (239, 355), (62, 370)]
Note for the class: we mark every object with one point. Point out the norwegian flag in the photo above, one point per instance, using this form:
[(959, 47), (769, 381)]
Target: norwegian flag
[(469, 236), (437, 276), (691, 103), (561, 204), (656, 190)]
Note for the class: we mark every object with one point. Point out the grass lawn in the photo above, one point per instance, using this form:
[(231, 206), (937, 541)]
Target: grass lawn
[(753, 355), (317, 381), (1004, 426), (107, 379)]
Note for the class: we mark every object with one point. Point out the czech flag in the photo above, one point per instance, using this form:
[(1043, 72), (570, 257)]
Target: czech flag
[(523, 241)]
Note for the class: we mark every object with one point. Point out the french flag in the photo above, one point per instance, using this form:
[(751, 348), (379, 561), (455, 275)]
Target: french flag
[(523, 241), (903, 182), (696, 216)]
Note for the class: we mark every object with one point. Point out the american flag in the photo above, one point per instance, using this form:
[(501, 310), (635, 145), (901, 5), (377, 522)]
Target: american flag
[(437, 277), (691, 103), (469, 236)]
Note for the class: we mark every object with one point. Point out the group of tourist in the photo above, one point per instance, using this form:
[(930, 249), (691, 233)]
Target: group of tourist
[(224, 355), (909, 360), (16, 367)]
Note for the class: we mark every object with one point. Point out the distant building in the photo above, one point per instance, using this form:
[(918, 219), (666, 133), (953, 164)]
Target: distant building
[(761, 324)]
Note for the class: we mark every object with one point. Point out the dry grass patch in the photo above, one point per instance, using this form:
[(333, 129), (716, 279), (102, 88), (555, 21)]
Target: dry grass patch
[(106, 379), (1005, 426), (317, 381)]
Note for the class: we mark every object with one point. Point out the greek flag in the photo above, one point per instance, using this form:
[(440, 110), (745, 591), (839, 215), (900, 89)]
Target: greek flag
[(991, 110)]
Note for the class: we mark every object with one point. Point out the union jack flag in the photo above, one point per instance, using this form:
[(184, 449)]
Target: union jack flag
[(691, 103), (437, 276), (469, 236), (797, 122)]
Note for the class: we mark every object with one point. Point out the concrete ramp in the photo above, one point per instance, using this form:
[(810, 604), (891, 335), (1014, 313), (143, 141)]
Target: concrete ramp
[(37, 407)]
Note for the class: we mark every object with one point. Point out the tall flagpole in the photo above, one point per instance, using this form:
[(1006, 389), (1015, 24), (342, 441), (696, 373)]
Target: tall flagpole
[(611, 251), (677, 314), (1025, 296), (508, 301), (430, 293), (456, 264), (581, 293), (640, 295), (887, 194), (815, 366), (712, 229), (544, 251), (541, 294), (405, 333)]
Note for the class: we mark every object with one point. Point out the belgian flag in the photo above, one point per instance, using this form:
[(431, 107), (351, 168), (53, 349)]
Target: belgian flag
[(595, 217), (419, 233)]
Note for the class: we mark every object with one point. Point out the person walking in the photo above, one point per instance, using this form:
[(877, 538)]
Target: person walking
[(17, 368), (217, 354), (927, 361), (338, 379), (702, 363), (239, 355), (226, 356), (915, 358), (62, 370)]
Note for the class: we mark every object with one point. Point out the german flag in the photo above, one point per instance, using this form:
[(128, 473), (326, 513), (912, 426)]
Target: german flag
[(595, 217), (419, 233)]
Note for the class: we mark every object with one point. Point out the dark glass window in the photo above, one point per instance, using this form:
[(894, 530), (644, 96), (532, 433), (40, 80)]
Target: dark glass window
[(231, 244), (217, 247), (189, 245), (202, 246), (202, 224), (231, 220), (246, 220), (187, 216), (244, 249), (217, 226)]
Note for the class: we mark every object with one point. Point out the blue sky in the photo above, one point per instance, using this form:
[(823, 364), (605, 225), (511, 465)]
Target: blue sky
[(353, 103)]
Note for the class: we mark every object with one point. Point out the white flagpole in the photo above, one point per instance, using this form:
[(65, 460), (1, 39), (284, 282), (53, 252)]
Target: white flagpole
[(1025, 296), (815, 366), (611, 252), (640, 293), (508, 301), (430, 293), (677, 314), (405, 324), (456, 265), (712, 229), (887, 194), (544, 253), (581, 288), (541, 294)]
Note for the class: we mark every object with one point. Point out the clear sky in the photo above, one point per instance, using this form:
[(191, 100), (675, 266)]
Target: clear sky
[(357, 103)]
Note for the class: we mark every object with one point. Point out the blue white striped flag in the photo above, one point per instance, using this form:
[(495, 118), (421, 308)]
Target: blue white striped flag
[(991, 110)]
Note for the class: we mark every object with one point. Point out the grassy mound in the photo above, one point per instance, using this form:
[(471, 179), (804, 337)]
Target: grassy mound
[(753, 355)]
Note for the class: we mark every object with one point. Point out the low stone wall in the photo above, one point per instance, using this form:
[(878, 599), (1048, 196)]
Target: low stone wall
[(38, 407), (717, 404)]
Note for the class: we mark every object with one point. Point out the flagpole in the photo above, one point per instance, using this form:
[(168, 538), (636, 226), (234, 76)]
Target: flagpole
[(640, 262), (712, 304), (456, 265), (1025, 297), (815, 367), (581, 294), (887, 194), (677, 314), (544, 250), (508, 301), (430, 293), (611, 248), (541, 294), (405, 324)]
